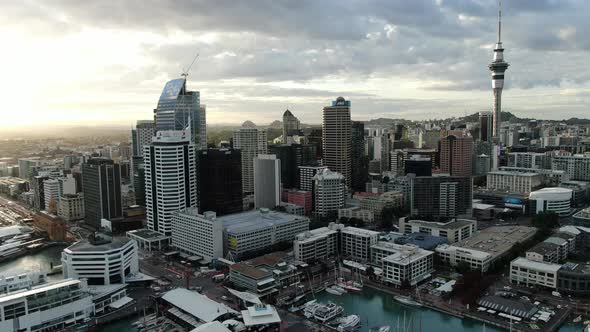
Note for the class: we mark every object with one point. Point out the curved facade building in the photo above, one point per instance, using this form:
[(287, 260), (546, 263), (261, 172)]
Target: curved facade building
[(179, 108), (555, 199), (574, 279), (101, 263)]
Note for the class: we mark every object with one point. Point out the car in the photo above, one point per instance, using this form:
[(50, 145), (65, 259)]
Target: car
[(225, 298)]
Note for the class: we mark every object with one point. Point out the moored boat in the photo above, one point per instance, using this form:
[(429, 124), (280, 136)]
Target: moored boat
[(407, 301)]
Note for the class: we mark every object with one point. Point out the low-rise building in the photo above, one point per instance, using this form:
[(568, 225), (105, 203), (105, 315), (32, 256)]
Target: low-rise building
[(513, 181), (453, 255), (317, 244), (574, 279), (197, 234), (71, 207), (408, 265), (486, 246), (582, 217), (253, 232), (293, 208), (54, 226), (190, 309), (12, 281), (554, 199), (378, 203), (533, 273), (355, 243), (368, 217), (544, 252), (453, 231), (54, 306), (102, 262), (263, 275)]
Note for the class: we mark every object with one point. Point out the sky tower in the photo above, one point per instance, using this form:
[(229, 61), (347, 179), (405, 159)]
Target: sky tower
[(498, 67)]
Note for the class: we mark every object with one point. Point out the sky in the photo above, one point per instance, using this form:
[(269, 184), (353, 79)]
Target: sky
[(71, 62)]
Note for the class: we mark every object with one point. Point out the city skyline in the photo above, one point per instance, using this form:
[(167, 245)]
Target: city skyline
[(419, 60)]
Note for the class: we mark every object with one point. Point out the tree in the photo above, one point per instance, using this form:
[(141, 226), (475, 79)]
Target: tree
[(545, 220), (370, 271), (52, 206), (463, 267), (385, 179)]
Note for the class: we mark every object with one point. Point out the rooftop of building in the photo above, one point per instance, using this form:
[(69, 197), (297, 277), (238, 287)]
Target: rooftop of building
[(421, 240), (453, 224), (197, 305), (556, 240), (543, 248), (251, 271), (512, 307), (359, 231), (87, 246), (405, 254), (146, 234), (583, 214), (514, 173), (318, 233), (551, 193), (498, 240), (477, 254), (576, 267), (536, 265), (256, 219), (38, 289)]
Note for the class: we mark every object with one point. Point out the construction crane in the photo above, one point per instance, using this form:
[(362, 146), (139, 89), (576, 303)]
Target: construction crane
[(185, 72)]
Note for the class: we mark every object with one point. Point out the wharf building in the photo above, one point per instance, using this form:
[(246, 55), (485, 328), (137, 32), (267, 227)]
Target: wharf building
[(250, 233), (101, 261), (49, 307), (350, 242), (485, 247), (402, 264)]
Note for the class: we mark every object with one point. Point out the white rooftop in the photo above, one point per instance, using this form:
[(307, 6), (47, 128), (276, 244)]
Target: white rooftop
[(261, 315), (359, 231), (255, 220), (39, 289), (213, 326), (198, 305), (473, 253), (539, 266)]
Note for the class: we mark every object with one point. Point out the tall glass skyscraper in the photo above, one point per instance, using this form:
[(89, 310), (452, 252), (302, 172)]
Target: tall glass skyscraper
[(336, 138), (177, 107)]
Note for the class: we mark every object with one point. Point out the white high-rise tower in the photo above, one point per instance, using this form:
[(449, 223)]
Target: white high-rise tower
[(498, 67)]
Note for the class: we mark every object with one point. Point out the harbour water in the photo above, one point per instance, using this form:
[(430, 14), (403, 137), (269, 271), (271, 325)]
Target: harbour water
[(38, 261), (375, 308)]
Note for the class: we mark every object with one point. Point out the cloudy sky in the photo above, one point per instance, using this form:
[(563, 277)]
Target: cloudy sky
[(106, 62)]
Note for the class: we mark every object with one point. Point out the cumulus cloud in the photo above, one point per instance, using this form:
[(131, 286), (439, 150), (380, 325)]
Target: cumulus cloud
[(394, 56)]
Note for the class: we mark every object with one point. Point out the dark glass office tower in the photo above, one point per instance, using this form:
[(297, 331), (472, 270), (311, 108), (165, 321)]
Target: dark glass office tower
[(101, 180), (219, 181), (292, 156), (360, 167)]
